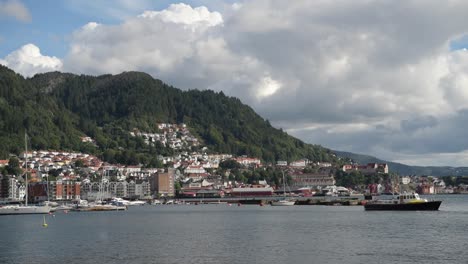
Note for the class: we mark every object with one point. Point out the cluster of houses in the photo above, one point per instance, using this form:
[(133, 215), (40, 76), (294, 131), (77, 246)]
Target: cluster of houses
[(175, 136), (419, 184), (196, 173), (302, 163), (99, 180), (370, 168)]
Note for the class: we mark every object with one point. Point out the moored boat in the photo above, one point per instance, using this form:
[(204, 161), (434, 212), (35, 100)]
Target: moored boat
[(403, 202), (284, 201), (25, 209)]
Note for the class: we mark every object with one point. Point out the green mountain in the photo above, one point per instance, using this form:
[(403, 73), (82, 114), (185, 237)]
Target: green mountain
[(57, 109), (403, 169)]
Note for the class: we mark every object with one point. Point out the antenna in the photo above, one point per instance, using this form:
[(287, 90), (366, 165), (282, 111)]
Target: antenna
[(26, 164)]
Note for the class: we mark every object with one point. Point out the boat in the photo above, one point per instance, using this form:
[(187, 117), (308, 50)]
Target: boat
[(403, 202), (140, 203), (63, 207), (24, 209), (116, 204), (119, 202), (283, 201), (84, 206)]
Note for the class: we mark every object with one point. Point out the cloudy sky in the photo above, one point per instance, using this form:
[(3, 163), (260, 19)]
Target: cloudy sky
[(385, 78)]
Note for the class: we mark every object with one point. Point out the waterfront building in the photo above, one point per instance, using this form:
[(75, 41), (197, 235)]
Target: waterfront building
[(425, 188), (54, 190), (300, 180), (4, 186), (248, 191), (162, 183), (137, 189), (142, 189), (11, 189), (66, 189), (209, 194)]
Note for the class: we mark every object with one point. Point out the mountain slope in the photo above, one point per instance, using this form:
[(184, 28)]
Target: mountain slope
[(57, 109)]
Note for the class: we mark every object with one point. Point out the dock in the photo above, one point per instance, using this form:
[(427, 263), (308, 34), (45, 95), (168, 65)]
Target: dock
[(313, 200)]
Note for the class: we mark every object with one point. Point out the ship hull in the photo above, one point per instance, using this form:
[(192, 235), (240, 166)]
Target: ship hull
[(21, 210), (282, 203), (425, 206)]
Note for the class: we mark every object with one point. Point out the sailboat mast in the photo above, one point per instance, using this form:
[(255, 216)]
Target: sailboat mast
[(284, 186), (26, 164)]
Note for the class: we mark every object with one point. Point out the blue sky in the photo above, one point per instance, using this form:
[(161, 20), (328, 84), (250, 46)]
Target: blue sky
[(380, 77), (53, 21)]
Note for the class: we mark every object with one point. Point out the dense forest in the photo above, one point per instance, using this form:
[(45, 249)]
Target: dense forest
[(57, 109)]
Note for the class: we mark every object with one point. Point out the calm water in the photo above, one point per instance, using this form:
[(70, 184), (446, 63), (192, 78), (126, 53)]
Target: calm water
[(245, 234)]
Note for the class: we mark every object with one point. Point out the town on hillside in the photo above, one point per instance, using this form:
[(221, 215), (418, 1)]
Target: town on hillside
[(68, 176)]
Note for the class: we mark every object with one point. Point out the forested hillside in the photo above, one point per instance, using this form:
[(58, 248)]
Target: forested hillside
[(57, 109)]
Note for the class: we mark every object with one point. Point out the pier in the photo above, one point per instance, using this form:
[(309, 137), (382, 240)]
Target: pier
[(313, 200)]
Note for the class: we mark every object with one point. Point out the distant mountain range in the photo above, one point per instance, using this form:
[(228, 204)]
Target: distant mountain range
[(404, 169)]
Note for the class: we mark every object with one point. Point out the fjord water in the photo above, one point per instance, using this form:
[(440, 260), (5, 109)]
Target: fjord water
[(240, 234)]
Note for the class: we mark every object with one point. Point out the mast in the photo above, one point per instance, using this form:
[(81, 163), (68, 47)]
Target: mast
[(26, 164), (284, 186)]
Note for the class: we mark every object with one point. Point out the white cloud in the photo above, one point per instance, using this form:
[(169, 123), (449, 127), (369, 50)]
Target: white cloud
[(347, 68), (28, 61), (157, 42), (16, 9), (267, 87), (376, 77), (185, 14)]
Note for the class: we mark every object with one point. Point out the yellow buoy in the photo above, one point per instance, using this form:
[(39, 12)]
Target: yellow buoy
[(44, 224)]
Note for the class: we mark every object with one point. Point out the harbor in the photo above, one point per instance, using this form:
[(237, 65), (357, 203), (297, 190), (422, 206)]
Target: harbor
[(219, 233)]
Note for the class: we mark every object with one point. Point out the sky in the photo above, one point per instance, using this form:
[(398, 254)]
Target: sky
[(378, 77)]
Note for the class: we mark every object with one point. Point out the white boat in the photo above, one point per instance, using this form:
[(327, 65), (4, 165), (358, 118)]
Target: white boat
[(137, 203), (283, 201), (330, 191), (24, 209), (84, 206), (63, 207), (101, 207), (120, 201)]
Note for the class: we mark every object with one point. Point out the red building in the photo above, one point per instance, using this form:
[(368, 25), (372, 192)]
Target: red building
[(58, 190), (247, 192)]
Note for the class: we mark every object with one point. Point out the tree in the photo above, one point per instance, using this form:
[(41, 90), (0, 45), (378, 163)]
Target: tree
[(14, 166), (229, 164), (79, 163)]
